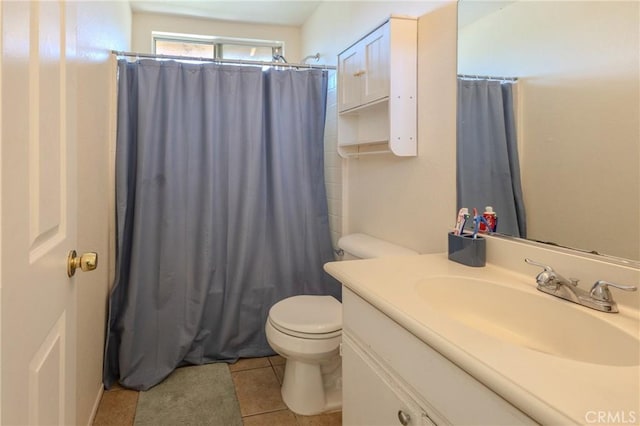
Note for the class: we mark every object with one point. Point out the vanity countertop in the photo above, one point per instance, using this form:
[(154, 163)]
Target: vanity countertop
[(549, 388)]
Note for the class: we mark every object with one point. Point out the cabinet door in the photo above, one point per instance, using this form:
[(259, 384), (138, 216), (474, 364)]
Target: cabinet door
[(375, 52), (370, 397), (350, 69)]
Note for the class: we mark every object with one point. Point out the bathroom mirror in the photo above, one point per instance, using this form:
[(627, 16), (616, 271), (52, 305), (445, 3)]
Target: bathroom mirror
[(577, 108)]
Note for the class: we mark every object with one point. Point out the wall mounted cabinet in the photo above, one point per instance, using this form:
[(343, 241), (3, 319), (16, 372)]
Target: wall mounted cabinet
[(364, 70), (377, 91)]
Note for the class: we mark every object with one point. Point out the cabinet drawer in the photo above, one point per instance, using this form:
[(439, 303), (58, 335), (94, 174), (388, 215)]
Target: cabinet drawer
[(455, 395), (371, 397)]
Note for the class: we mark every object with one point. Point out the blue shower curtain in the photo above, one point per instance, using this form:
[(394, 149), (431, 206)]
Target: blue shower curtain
[(488, 169), (221, 212)]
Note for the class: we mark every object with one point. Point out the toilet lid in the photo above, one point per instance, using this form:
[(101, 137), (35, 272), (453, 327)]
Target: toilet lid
[(308, 314)]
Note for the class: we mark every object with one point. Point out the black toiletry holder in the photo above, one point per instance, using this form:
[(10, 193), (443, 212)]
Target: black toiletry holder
[(467, 250)]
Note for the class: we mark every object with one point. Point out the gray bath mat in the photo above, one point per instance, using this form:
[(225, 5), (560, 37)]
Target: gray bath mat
[(195, 395)]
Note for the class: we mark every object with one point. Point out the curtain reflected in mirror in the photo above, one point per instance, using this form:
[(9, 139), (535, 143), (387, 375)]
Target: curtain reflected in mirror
[(488, 168), (577, 117)]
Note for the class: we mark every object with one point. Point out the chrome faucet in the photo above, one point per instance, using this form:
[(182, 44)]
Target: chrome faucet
[(599, 297)]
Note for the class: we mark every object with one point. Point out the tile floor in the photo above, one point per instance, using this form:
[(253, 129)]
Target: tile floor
[(257, 382)]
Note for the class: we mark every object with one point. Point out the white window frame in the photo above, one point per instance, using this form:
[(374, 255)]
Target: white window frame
[(216, 41)]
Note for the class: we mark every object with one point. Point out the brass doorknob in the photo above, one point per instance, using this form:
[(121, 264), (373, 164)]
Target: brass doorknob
[(86, 262)]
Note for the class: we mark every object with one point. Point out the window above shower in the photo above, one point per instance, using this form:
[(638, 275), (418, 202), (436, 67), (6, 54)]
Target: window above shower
[(201, 46)]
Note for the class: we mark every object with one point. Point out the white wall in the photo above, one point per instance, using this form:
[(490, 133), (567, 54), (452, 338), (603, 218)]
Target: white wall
[(579, 92), (333, 162), (145, 23), (101, 27), (409, 201)]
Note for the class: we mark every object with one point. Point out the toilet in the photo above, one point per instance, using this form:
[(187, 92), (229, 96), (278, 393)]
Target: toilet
[(306, 330)]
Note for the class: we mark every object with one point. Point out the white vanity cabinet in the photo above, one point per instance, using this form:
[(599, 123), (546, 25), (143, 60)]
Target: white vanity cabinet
[(387, 371), (377, 86)]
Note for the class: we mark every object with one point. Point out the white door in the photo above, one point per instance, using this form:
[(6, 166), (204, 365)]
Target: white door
[(38, 175), (375, 80), (349, 71)]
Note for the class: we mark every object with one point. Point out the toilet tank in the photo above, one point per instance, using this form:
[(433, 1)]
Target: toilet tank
[(362, 246)]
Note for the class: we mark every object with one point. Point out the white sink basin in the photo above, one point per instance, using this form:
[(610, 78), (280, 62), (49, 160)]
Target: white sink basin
[(531, 319)]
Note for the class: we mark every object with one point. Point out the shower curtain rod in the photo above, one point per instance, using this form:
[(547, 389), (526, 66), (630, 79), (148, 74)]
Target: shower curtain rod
[(223, 61), (486, 77)]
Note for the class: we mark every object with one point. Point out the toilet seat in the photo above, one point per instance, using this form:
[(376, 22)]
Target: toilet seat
[(310, 336), (307, 316)]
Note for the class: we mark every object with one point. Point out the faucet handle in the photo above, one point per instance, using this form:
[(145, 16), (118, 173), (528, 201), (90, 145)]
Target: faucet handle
[(600, 290), (549, 277), (543, 266), (546, 278)]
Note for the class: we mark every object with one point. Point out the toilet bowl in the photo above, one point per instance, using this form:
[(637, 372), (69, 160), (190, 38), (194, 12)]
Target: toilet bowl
[(306, 330)]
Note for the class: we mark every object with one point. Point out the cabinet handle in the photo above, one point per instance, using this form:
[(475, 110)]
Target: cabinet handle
[(359, 73), (404, 418)]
